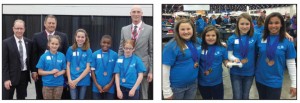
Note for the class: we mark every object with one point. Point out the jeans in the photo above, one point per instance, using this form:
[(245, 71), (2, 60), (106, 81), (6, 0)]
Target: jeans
[(187, 92), (103, 96), (212, 92), (125, 92), (81, 90), (266, 92), (241, 86)]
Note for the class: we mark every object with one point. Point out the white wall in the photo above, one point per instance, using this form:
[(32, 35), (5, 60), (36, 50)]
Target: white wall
[(99, 10)]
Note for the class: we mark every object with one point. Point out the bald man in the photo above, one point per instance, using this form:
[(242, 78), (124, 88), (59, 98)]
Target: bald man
[(141, 33)]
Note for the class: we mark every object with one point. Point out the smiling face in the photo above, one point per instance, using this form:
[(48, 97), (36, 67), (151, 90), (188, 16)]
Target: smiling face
[(105, 44), (53, 44), (128, 49), (80, 38), (211, 37), (50, 24), (136, 14), (274, 25), (244, 26), (19, 29), (185, 31)]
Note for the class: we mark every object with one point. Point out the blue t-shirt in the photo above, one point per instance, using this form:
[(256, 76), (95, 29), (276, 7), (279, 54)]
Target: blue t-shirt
[(134, 65), (182, 72), (109, 58), (200, 25), (215, 77), (213, 22), (48, 62), (234, 45), (272, 76), (79, 58), (259, 29)]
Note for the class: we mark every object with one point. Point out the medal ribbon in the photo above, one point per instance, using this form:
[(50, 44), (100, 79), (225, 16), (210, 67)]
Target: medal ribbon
[(193, 51), (209, 57), (102, 59), (271, 48), (244, 48), (127, 67)]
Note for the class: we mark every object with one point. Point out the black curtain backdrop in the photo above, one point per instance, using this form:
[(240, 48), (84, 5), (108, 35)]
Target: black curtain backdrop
[(96, 26)]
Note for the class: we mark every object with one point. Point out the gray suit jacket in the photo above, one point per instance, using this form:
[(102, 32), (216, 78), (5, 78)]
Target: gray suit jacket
[(143, 46)]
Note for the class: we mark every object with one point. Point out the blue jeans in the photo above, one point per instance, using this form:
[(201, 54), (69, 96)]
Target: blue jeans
[(212, 92), (125, 92), (266, 92), (187, 92), (74, 92), (103, 96), (241, 86)]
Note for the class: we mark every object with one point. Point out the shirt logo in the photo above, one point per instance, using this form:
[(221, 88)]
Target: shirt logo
[(280, 47)]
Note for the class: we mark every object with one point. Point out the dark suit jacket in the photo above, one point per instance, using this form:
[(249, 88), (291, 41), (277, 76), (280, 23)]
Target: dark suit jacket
[(40, 45), (11, 63)]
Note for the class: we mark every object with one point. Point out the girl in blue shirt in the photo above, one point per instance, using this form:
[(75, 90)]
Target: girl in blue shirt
[(181, 62), (259, 28), (241, 48), (102, 68), (51, 67), (128, 73), (274, 54), (79, 57), (213, 54)]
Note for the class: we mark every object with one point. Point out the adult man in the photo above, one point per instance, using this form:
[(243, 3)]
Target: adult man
[(40, 47), (142, 34), (16, 66)]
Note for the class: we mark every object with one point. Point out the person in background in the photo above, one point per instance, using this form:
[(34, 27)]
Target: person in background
[(142, 35), (200, 24), (213, 54), (275, 53), (40, 40), (52, 66), (181, 62), (102, 66), (16, 63), (259, 28), (79, 57), (128, 72)]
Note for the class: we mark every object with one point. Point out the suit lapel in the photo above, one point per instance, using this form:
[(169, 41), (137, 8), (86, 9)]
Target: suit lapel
[(15, 46), (26, 46)]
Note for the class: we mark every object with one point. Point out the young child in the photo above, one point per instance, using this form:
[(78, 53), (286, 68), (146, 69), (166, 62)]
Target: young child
[(128, 73), (181, 62), (51, 67), (212, 55), (102, 68), (79, 57)]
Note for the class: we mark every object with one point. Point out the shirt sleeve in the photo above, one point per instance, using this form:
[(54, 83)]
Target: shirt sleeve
[(225, 53), (117, 68), (89, 56), (230, 42), (291, 52), (140, 65), (169, 53), (41, 63), (94, 58), (64, 63), (69, 55)]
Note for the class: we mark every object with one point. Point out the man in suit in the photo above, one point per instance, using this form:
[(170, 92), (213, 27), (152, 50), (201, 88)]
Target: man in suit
[(142, 34), (16, 66), (40, 47)]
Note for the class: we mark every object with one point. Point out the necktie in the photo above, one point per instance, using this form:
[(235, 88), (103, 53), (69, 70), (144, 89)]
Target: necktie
[(134, 32), (21, 54)]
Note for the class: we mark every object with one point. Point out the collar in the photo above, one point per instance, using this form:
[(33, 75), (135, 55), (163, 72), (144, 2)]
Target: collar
[(138, 25), (17, 39), (49, 33)]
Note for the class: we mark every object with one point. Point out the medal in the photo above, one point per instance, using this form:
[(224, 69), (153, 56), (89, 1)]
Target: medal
[(104, 73), (77, 68), (270, 62), (245, 60), (206, 73), (196, 65), (123, 80)]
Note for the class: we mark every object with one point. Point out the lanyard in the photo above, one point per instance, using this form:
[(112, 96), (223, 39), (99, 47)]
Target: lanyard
[(134, 36), (102, 59), (193, 50), (271, 48), (244, 48), (127, 67), (52, 58), (209, 57), (78, 60)]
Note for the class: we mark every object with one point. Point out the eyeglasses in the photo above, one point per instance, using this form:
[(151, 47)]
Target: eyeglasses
[(19, 28), (128, 48)]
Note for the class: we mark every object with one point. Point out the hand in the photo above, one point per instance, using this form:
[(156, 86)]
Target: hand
[(71, 84), (237, 60), (54, 71), (35, 76), (120, 94), (7, 84), (57, 74), (149, 78), (293, 92), (106, 88), (131, 93), (169, 98), (99, 88), (289, 37)]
